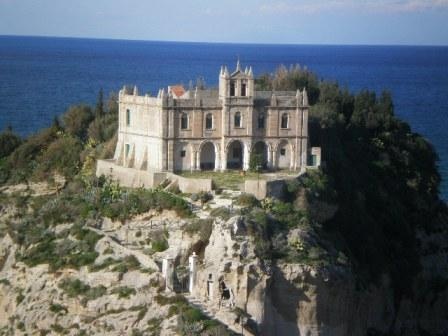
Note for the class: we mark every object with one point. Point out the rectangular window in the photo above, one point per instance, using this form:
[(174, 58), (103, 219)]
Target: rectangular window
[(232, 89), (128, 117), (243, 89), (183, 153), (261, 121), (184, 121), (127, 149), (283, 152)]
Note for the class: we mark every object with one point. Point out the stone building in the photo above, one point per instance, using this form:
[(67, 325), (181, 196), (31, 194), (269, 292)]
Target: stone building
[(213, 129)]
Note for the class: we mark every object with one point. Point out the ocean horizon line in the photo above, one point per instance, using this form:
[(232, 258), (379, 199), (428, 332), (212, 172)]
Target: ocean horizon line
[(226, 43)]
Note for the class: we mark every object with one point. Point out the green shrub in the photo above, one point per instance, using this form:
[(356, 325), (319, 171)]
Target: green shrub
[(22, 161), (19, 298), (9, 141), (129, 263), (77, 119), (255, 161), (58, 308), (159, 245), (57, 328), (123, 292), (106, 263), (5, 282), (21, 326), (204, 196), (247, 200), (61, 156), (76, 288), (193, 315)]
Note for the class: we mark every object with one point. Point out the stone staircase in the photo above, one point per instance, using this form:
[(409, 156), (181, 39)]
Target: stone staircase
[(214, 314)]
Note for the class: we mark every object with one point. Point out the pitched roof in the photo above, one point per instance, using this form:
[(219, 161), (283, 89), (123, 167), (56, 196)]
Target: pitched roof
[(177, 90)]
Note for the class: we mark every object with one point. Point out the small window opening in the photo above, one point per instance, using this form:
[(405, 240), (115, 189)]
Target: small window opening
[(184, 121), (243, 89), (128, 117), (261, 121), (209, 121), (232, 89), (285, 121), (237, 119)]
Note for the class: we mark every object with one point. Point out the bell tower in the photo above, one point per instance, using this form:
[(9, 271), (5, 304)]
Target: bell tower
[(238, 84)]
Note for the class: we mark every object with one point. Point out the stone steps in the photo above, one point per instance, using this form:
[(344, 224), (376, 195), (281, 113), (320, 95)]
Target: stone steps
[(210, 313)]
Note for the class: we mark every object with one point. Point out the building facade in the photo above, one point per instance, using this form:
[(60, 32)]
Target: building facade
[(218, 129)]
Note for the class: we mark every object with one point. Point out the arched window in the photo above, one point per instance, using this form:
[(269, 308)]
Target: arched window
[(237, 119), (285, 120), (184, 121), (261, 121), (208, 121)]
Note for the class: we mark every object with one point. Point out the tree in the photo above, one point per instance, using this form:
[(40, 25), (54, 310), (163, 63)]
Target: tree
[(255, 161), (56, 124), (112, 103), (62, 156), (9, 141), (77, 120), (99, 108)]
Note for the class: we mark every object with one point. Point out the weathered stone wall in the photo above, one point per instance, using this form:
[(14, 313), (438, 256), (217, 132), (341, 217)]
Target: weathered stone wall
[(151, 136), (191, 185), (263, 188), (129, 177)]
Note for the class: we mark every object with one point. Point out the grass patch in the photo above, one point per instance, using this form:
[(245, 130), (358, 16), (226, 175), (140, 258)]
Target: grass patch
[(231, 179)]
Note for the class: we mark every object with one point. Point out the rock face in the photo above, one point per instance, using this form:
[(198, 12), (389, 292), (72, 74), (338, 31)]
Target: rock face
[(297, 299), (233, 285), (32, 300)]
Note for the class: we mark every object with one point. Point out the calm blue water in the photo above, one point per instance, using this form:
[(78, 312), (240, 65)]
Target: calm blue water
[(41, 77)]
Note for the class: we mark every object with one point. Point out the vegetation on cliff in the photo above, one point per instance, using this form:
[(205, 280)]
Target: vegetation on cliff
[(66, 147), (382, 176), (52, 228)]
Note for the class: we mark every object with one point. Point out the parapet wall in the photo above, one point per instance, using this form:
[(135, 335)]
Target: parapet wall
[(135, 178), (263, 188), (191, 185), (129, 177)]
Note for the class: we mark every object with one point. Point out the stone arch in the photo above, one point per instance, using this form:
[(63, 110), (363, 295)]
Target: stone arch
[(207, 155), (235, 154), (284, 153), (261, 149)]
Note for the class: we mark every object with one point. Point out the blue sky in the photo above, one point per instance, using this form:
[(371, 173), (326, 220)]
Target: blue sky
[(415, 22)]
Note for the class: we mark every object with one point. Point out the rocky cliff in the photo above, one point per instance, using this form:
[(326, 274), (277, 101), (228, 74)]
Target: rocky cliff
[(263, 269)]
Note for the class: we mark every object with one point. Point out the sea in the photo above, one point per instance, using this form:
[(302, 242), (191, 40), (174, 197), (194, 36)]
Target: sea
[(40, 77)]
